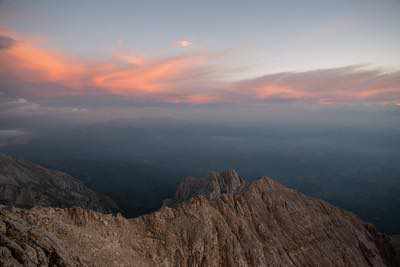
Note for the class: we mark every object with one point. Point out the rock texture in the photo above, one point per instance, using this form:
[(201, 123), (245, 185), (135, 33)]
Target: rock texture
[(395, 240), (220, 221), (23, 184), (228, 182)]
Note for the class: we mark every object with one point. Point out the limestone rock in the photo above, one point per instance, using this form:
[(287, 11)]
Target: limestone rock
[(228, 182), (220, 221)]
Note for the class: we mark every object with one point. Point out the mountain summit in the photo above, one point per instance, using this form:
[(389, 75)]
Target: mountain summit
[(227, 182), (219, 221)]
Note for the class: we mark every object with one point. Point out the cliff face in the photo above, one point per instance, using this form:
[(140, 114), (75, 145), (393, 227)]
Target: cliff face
[(220, 221), (26, 185)]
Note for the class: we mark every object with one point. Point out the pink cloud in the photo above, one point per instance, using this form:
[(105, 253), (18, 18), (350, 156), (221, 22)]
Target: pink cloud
[(352, 84), (189, 78), (149, 77), (124, 74)]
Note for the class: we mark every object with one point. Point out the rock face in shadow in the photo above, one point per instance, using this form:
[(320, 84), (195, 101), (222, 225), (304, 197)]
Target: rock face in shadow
[(23, 184), (219, 221), (395, 240)]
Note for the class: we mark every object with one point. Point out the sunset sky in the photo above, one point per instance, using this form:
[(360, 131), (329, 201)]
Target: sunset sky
[(133, 95), (58, 56)]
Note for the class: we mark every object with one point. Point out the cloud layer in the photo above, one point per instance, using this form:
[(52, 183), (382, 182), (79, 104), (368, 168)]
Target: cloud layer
[(352, 84), (27, 69)]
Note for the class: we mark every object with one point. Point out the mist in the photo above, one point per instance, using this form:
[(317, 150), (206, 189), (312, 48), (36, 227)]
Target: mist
[(347, 156)]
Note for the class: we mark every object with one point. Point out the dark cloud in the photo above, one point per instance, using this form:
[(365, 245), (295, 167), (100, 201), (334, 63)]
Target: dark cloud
[(6, 42)]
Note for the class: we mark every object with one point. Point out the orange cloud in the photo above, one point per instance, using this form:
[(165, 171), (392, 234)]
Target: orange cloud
[(49, 66), (124, 74), (328, 86), (32, 64), (282, 91), (186, 78), (152, 77)]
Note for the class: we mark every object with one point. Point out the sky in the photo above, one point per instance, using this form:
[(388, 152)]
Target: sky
[(300, 88), (121, 57)]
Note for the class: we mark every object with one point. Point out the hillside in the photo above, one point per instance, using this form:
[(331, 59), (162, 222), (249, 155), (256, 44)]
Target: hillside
[(24, 184)]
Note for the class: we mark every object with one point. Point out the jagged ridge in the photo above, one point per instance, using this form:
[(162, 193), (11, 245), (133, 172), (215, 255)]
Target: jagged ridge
[(261, 223)]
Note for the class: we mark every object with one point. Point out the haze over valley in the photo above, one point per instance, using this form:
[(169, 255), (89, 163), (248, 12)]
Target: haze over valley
[(288, 114)]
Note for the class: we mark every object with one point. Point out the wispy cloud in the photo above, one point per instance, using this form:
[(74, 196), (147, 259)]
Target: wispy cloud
[(187, 78), (351, 84), (123, 74), (13, 137), (19, 59), (15, 106), (152, 76), (184, 43)]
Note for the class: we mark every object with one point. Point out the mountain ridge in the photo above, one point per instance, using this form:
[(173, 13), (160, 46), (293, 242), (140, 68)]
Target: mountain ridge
[(24, 184), (221, 221)]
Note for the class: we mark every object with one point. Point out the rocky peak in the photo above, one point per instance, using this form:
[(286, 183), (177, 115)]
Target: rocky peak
[(227, 222), (216, 184), (227, 182)]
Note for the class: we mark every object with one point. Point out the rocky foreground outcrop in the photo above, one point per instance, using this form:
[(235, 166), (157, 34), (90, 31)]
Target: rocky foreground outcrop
[(220, 221), (24, 184)]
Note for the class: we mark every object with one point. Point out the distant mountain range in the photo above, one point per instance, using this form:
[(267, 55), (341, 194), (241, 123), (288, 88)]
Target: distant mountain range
[(221, 220)]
